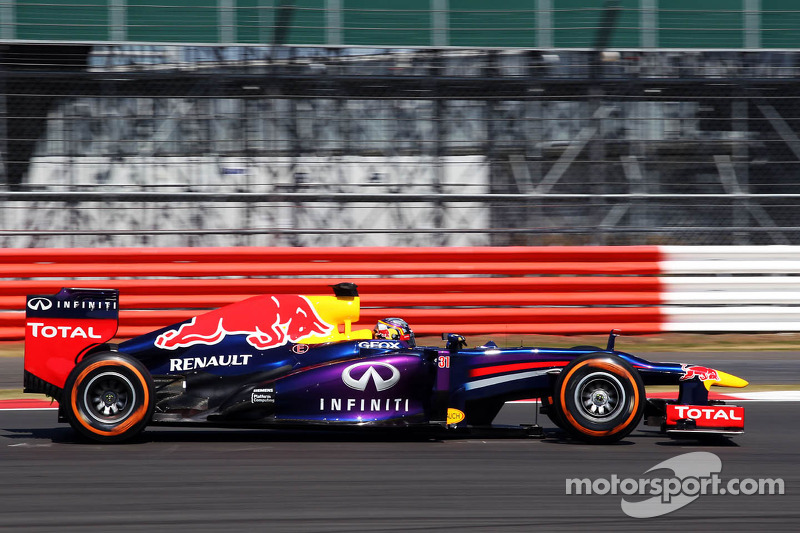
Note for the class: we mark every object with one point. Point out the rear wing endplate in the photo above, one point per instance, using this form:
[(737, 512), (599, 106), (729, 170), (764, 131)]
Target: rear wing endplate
[(60, 327)]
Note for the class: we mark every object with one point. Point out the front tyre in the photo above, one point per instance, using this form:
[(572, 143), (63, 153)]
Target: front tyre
[(600, 398), (108, 397)]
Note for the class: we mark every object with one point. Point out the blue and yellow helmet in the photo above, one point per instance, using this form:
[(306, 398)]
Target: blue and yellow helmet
[(394, 329)]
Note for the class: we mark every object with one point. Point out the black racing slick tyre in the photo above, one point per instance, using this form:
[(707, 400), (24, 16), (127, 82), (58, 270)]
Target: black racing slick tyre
[(109, 397), (600, 398)]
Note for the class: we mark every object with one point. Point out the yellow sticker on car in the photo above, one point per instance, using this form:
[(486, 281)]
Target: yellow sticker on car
[(454, 416)]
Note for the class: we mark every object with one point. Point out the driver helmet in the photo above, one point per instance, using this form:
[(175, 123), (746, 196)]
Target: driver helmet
[(394, 329)]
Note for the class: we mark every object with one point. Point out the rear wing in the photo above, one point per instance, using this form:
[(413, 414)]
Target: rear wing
[(60, 328)]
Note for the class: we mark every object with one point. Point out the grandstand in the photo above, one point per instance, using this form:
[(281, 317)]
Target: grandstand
[(418, 123)]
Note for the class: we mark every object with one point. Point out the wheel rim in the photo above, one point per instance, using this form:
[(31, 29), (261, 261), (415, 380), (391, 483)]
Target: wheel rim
[(109, 397), (600, 396)]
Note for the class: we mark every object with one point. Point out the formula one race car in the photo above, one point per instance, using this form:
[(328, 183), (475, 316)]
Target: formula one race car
[(295, 361)]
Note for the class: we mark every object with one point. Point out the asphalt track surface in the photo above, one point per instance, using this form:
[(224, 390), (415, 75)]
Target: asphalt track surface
[(244, 480)]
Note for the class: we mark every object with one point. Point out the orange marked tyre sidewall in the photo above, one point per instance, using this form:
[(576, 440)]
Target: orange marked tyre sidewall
[(600, 398), (108, 397)]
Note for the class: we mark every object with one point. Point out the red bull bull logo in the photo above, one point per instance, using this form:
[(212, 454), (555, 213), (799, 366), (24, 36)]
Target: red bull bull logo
[(268, 322), (702, 372)]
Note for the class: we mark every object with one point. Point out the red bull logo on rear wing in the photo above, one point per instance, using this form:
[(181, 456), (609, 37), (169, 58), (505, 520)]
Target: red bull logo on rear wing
[(270, 321)]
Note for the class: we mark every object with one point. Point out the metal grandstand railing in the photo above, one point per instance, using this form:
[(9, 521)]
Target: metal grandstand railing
[(122, 145)]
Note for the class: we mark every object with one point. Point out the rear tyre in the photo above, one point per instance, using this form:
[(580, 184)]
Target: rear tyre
[(108, 397), (599, 398)]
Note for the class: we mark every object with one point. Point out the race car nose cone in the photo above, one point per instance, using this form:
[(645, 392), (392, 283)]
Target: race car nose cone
[(725, 380)]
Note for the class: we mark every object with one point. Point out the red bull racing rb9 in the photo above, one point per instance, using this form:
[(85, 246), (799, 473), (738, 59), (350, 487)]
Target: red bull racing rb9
[(294, 361)]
